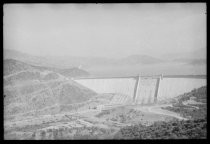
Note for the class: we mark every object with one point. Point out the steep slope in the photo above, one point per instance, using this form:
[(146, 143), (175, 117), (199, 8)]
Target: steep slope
[(29, 88), (17, 73), (72, 92), (22, 77), (13, 66), (44, 96)]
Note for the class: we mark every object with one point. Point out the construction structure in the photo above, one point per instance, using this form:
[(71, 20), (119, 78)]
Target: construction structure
[(144, 90)]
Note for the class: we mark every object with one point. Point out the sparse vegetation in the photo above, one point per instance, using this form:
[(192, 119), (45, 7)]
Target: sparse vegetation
[(187, 110), (73, 133), (122, 115), (13, 66), (190, 129), (51, 76)]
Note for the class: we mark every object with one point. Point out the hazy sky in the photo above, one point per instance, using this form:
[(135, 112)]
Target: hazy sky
[(106, 30)]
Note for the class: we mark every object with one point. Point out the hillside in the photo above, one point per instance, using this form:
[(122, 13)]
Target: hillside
[(70, 72), (44, 95), (29, 88), (191, 105), (13, 66)]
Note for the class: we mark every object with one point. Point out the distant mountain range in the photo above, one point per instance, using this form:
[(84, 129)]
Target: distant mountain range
[(77, 61), (193, 58), (140, 59), (197, 57)]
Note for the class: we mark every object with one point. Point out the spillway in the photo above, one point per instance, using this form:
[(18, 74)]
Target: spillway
[(146, 91), (143, 90)]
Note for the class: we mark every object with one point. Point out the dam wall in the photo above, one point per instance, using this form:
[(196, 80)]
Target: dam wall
[(172, 87), (124, 86), (143, 90), (120, 99)]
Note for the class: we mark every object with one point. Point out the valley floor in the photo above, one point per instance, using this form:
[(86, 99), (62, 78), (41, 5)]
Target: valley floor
[(32, 127)]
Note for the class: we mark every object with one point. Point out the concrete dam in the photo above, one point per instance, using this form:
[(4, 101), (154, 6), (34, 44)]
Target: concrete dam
[(143, 90)]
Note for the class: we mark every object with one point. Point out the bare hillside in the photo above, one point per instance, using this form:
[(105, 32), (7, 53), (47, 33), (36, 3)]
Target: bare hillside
[(30, 98), (13, 66), (29, 88)]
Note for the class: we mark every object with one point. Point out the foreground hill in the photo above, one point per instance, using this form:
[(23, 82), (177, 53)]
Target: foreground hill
[(46, 96), (29, 88)]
